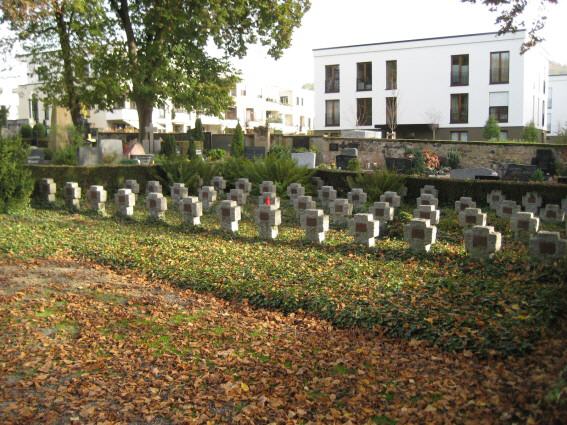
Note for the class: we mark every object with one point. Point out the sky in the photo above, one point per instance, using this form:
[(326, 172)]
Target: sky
[(344, 22)]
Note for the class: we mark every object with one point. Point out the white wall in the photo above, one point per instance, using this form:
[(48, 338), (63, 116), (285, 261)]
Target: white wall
[(557, 114), (423, 68)]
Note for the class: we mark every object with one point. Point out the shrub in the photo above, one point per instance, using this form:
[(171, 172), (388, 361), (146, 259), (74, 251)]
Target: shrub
[(168, 146), (538, 176), (280, 151), (39, 131), (198, 131), (193, 173), (453, 159), (3, 116), (530, 133), (26, 131), (216, 154), (353, 165), (237, 145), (417, 161), (491, 129), (65, 156), (16, 184), (376, 183), (192, 150)]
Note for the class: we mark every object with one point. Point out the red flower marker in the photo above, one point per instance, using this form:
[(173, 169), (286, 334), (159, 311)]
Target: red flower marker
[(267, 201)]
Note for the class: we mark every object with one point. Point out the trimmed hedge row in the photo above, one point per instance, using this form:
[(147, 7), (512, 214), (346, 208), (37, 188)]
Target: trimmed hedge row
[(112, 178), (451, 190)]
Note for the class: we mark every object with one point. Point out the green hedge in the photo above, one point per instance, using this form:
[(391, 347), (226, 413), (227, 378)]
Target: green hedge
[(451, 190), (112, 177)]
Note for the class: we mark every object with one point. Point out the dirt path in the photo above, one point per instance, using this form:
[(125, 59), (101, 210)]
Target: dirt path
[(81, 344)]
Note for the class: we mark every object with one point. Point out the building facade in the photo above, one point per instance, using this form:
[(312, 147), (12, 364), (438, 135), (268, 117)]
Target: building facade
[(443, 88), (557, 105)]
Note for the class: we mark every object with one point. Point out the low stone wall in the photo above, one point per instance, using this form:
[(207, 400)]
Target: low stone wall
[(373, 152)]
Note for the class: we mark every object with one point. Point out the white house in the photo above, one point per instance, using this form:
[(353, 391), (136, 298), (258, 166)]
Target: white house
[(450, 84), (557, 105)]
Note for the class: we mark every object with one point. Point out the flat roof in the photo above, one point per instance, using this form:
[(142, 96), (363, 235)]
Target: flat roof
[(409, 41)]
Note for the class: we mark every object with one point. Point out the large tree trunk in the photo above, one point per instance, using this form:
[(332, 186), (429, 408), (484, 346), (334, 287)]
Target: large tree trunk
[(73, 103), (145, 109)]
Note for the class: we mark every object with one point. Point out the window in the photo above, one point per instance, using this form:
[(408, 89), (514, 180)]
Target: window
[(288, 120), (391, 75), (332, 113), (499, 67), (364, 76), (284, 100), (364, 111), (543, 113), (499, 113), (250, 114), (550, 98), (460, 136), (243, 92), (230, 114), (332, 79), (391, 112), (459, 108), (503, 135), (297, 101), (34, 108), (233, 91), (460, 70), (46, 111)]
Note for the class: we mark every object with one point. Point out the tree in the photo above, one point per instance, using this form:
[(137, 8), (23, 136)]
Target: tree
[(530, 133), (192, 151), (237, 145), (491, 129), (510, 12), (61, 38), (198, 131), (159, 49)]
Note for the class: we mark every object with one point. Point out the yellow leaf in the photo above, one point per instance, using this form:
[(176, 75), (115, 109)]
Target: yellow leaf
[(244, 387)]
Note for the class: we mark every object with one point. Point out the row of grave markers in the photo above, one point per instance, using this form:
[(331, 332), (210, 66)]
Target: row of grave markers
[(481, 241)]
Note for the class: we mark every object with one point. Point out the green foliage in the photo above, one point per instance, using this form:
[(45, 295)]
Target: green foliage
[(376, 183), (491, 129), (193, 173), (168, 146), (417, 160), (530, 133), (538, 176), (198, 131), (16, 184), (237, 144), (192, 151), (26, 131), (280, 151), (65, 156), (353, 165), (39, 131), (453, 159), (3, 116), (216, 154)]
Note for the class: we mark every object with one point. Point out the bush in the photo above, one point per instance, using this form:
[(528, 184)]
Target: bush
[(198, 131), (192, 150), (491, 129), (26, 131), (417, 161), (237, 145), (280, 151), (530, 133), (3, 116), (353, 165), (216, 154), (193, 173), (538, 176), (65, 156), (376, 183), (168, 146), (453, 159), (39, 131), (16, 184)]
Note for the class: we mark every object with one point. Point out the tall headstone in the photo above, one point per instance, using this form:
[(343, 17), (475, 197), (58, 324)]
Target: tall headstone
[(463, 203), (326, 195), (208, 196), (340, 210), (552, 213), (191, 210), (532, 202), (420, 235), (482, 241), (428, 212), (47, 191), (391, 198), (268, 219), (316, 224), (125, 201), (229, 215), (547, 245), (524, 224), (156, 204), (365, 229), (96, 198), (507, 208), (153, 186), (295, 190), (357, 197), (302, 203), (72, 194), (472, 217)]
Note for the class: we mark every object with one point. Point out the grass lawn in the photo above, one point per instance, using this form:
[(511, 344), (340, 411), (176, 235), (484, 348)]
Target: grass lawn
[(499, 307)]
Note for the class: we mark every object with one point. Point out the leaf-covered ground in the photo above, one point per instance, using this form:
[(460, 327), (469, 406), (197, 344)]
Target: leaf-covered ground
[(493, 308), (82, 344)]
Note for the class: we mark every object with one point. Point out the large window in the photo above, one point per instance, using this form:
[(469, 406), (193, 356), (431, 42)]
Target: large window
[(460, 70), (500, 113), (364, 76), (230, 114), (499, 67), (459, 108), (459, 136), (498, 106), (332, 113), (332, 79), (391, 112), (391, 75), (364, 111)]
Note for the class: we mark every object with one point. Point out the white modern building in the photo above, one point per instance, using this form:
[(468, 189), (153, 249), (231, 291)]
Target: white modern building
[(557, 105), (447, 84)]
